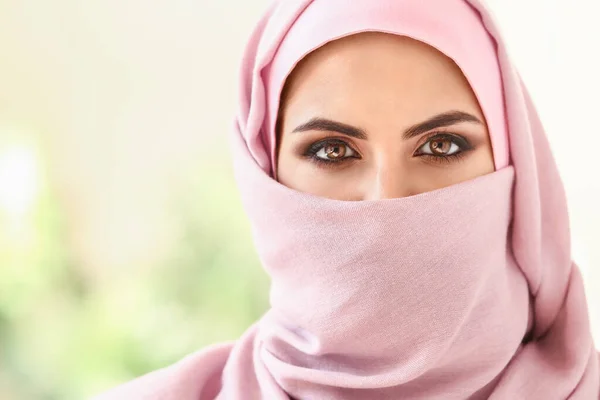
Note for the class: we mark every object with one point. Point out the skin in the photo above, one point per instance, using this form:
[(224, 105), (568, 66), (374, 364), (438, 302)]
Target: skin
[(378, 116)]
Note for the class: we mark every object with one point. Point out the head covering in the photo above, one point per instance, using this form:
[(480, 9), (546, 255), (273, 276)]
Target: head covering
[(383, 299)]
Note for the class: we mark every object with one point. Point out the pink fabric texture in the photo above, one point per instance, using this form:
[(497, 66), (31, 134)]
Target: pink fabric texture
[(467, 292)]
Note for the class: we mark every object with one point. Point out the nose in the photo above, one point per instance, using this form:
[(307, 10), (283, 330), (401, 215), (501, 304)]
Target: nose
[(388, 180)]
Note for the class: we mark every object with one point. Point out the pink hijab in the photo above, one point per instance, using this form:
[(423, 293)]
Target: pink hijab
[(382, 299)]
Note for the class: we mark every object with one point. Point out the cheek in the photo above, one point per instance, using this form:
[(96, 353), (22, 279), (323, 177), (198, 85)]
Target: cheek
[(426, 177), (304, 176), (480, 163)]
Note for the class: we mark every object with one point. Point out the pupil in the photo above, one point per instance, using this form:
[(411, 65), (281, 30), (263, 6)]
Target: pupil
[(440, 146), (334, 151)]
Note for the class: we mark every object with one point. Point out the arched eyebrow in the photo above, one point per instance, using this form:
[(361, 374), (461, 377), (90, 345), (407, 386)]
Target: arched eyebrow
[(438, 121), (324, 124)]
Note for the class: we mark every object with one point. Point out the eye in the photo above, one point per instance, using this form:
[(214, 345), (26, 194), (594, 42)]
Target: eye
[(443, 145), (332, 151)]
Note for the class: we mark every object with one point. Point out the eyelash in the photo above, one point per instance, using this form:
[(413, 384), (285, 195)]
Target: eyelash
[(460, 141), (313, 149)]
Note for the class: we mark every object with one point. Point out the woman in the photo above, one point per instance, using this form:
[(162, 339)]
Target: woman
[(406, 205)]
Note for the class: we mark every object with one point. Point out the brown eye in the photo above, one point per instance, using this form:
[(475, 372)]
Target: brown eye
[(333, 151), (440, 146), (443, 146)]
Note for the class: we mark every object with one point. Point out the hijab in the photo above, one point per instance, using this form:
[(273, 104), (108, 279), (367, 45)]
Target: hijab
[(383, 299)]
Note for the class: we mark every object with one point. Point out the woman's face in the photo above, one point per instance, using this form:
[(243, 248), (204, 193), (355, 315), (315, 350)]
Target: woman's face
[(377, 116)]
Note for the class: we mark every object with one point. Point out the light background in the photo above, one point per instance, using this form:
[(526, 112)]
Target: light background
[(123, 246)]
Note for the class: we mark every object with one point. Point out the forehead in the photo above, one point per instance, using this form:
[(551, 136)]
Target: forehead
[(377, 74)]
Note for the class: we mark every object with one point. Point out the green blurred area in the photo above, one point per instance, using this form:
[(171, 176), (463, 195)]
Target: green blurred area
[(66, 335)]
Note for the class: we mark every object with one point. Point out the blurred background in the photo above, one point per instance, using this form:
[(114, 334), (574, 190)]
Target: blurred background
[(123, 246)]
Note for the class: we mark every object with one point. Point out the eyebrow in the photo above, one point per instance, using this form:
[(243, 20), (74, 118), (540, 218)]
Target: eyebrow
[(324, 124), (438, 121)]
